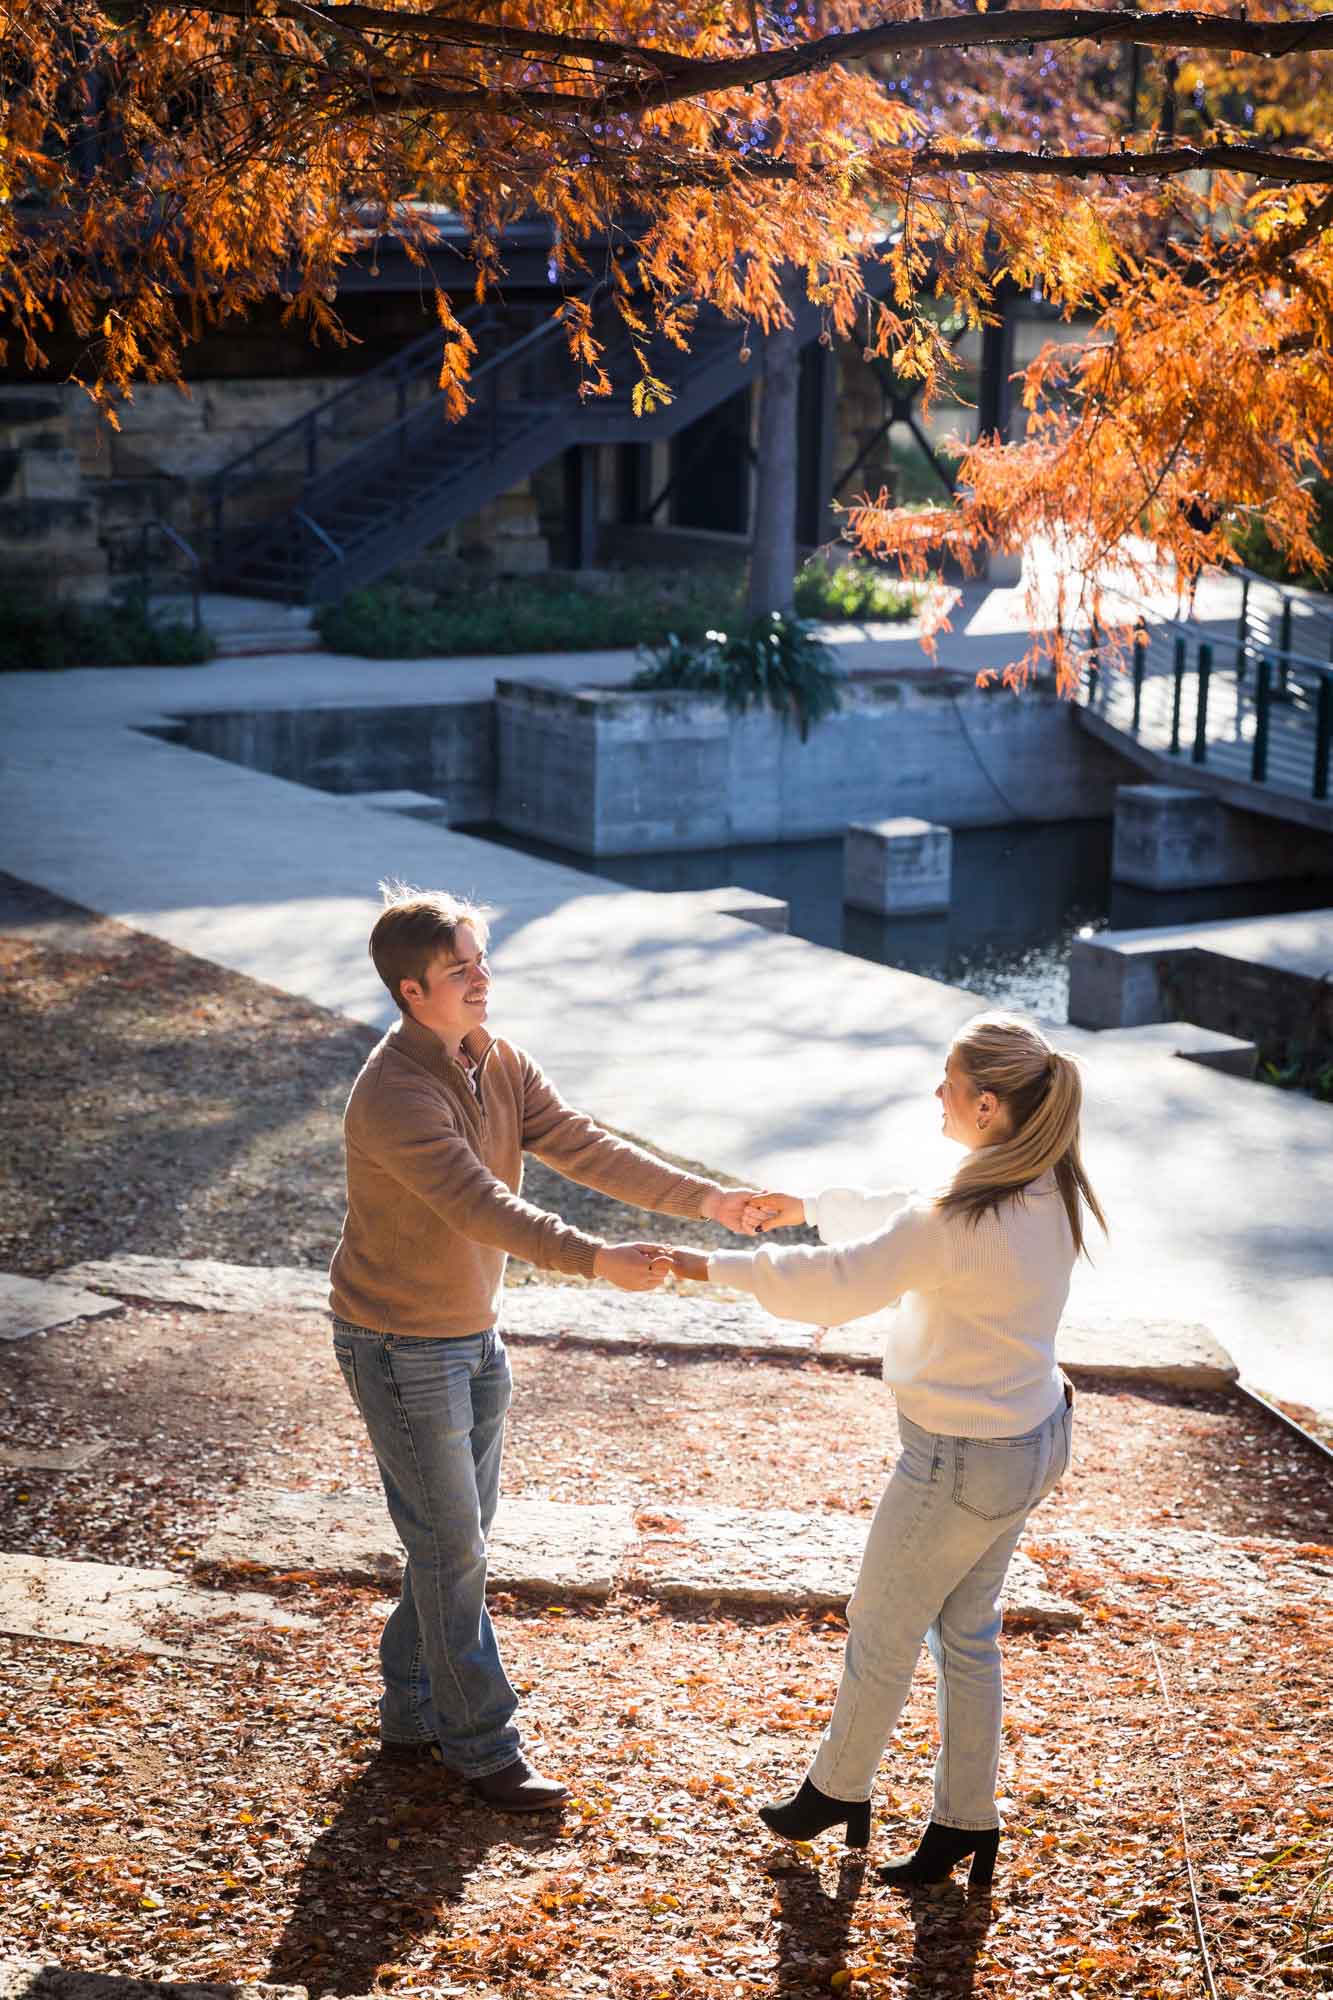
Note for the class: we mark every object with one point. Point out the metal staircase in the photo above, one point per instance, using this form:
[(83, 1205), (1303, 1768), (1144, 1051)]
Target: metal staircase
[(341, 516)]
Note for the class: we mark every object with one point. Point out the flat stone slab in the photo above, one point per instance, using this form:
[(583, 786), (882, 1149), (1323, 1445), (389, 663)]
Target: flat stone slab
[(734, 1555), (70, 1458), (402, 800), (38, 1979), (206, 1284), (1229, 1053), (1226, 1580), (1169, 1353), (674, 1321), (1166, 1353), (139, 1610), (746, 1555), (31, 1305), (542, 1545)]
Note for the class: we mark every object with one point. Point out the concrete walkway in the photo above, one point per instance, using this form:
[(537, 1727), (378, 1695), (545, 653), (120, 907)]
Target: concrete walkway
[(766, 1056)]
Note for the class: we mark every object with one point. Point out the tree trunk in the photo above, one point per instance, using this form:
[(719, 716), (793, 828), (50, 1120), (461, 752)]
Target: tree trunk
[(773, 553)]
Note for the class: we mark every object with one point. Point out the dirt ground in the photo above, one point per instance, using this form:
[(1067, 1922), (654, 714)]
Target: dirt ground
[(200, 1406), (161, 1818)]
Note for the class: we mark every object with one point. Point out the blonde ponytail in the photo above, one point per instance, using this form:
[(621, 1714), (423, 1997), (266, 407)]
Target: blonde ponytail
[(1042, 1091)]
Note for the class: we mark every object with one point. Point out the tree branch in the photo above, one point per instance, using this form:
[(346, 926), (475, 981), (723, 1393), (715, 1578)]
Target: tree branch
[(1287, 170), (455, 31), (679, 76)]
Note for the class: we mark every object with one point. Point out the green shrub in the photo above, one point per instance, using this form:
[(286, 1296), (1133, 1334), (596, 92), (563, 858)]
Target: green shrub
[(1295, 1067), (774, 659), (529, 615), (39, 635), (851, 590), (1254, 548)]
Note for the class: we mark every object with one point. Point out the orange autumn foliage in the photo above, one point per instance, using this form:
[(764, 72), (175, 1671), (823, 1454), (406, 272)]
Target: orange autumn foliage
[(167, 166)]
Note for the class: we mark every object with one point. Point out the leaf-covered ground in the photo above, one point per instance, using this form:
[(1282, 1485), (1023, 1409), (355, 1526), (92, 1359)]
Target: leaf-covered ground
[(162, 1817), (165, 1818)]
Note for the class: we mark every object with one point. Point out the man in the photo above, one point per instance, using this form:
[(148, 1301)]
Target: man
[(435, 1130)]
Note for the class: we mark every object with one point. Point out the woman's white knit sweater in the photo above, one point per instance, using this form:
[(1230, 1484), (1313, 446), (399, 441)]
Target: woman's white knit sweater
[(972, 1348)]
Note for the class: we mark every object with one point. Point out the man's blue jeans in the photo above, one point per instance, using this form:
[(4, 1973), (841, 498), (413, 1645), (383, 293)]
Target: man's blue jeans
[(435, 1412)]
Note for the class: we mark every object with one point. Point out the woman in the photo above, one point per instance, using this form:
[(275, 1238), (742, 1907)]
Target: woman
[(982, 1270)]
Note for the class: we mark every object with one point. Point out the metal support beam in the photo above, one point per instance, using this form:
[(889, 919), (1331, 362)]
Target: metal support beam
[(581, 504), (814, 464), (997, 360)]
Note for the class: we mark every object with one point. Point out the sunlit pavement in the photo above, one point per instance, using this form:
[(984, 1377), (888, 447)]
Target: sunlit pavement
[(763, 1055)]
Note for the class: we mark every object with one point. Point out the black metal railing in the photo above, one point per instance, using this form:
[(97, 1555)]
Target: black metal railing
[(283, 463), (1244, 707), (153, 552)]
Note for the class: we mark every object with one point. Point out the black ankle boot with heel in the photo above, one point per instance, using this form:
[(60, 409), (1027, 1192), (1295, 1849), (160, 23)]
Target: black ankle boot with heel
[(940, 1851), (811, 1811)]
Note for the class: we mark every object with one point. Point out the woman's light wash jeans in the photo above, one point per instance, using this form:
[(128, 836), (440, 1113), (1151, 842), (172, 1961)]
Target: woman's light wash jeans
[(934, 1568), (435, 1411)]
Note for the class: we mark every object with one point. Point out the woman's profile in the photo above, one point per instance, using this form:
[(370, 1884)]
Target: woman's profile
[(981, 1270)]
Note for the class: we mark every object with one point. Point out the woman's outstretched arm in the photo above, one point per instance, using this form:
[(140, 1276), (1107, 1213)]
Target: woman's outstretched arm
[(829, 1286)]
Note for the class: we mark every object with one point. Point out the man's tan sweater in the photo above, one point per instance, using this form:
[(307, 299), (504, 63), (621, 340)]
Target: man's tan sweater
[(434, 1168)]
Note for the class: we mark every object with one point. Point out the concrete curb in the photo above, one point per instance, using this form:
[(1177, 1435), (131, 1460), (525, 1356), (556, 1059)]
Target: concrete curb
[(1143, 1354)]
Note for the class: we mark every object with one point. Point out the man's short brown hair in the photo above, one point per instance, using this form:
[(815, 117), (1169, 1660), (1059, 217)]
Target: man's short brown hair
[(414, 926)]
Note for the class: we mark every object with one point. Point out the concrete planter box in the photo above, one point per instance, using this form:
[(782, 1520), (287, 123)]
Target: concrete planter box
[(619, 771)]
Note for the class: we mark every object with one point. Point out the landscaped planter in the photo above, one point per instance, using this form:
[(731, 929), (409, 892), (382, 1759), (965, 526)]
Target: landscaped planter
[(623, 771)]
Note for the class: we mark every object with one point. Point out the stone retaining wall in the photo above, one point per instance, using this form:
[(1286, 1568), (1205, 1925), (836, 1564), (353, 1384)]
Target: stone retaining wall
[(445, 750), (616, 771)]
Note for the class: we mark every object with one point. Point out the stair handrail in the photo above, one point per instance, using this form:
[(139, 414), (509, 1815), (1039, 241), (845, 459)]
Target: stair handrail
[(1197, 628), (155, 524), (487, 375), (405, 363), (1278, 675)]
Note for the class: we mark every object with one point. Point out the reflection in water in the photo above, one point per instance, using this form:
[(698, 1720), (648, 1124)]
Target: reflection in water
[(1020, 896)]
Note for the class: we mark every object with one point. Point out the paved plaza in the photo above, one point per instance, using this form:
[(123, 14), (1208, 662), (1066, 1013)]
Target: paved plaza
[(760, 1054)]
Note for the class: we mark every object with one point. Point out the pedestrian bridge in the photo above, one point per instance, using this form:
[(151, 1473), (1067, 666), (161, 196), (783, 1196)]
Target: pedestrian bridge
[(1242, 710)]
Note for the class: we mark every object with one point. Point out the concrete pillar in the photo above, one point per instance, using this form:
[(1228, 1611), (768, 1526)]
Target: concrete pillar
[(896, 866), (1170, 837)]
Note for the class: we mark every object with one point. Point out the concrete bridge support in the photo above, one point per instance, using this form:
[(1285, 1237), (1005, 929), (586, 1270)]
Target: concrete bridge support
[(1171, 837)]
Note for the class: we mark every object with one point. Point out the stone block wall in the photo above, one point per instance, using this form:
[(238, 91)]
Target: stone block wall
[(608, 771), (74, 493)]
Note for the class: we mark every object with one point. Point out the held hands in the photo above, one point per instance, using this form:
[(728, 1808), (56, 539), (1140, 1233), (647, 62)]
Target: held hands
[(685, 1264), (634, 1267), (749, 1211), (763, 1212)]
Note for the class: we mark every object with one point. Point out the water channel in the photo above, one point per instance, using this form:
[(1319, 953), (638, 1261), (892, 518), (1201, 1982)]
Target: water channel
[(1021, 894)]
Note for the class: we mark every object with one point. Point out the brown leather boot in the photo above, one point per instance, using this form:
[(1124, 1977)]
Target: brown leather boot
[(518, 1788)]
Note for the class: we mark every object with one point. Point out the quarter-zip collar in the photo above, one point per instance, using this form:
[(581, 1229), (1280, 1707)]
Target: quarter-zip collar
[(426, 1049)]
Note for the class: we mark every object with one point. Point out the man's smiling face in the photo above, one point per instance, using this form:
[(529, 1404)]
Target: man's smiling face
[(452, 997)]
